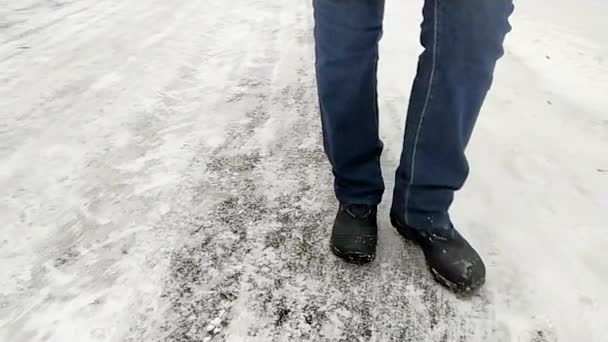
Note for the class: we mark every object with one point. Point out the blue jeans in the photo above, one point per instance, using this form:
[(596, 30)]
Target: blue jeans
[(462, 41)]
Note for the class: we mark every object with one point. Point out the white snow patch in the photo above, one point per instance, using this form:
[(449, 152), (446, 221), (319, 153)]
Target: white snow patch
[(104, 105)]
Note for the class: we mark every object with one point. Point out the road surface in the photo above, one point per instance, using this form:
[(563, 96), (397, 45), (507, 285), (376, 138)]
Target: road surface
[(162, 179)]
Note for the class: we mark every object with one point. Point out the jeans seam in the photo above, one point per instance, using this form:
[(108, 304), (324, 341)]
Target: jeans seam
[(424, 108)]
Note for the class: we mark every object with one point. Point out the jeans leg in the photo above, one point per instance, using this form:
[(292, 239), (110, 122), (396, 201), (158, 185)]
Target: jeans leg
[(346, 34), (462, 40)]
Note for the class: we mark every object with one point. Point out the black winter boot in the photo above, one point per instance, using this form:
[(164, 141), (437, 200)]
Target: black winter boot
[(451, 259), (355, 233)]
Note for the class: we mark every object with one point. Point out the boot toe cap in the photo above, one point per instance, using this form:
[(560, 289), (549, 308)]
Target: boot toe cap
[(460, 273), (354, 249)]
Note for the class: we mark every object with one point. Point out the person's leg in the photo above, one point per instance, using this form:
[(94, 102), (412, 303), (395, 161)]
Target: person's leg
[(462, 40), (347, 33), (346, 36)]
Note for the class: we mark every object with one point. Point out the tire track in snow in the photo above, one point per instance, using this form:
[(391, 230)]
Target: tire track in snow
[(206, 272)]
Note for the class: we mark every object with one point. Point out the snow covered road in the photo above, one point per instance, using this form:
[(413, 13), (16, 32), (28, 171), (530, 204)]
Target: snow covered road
[(162, 179)]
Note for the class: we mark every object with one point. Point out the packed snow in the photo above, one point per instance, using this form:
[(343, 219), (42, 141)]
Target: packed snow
[(162, 179)]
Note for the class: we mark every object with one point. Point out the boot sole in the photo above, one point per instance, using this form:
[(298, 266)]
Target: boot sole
[(454, 287)]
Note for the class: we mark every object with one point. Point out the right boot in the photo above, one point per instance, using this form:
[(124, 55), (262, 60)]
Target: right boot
[(453, 262), (355, 233)]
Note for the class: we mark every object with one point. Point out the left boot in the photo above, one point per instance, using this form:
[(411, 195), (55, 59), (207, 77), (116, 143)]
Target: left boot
[(450, 258), (355, 233)]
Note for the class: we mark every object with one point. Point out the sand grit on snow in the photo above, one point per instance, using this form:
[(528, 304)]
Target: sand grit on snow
[(162, 179)]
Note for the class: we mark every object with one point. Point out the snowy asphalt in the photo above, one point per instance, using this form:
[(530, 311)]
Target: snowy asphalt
[(162, 179)]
